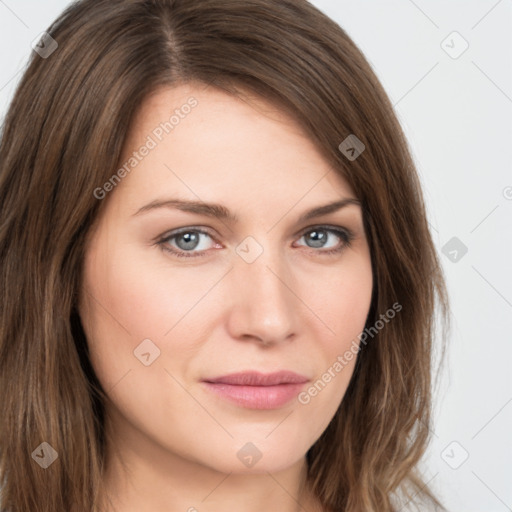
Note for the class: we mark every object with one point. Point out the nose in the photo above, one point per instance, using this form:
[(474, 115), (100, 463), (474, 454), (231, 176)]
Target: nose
[(263, 302)]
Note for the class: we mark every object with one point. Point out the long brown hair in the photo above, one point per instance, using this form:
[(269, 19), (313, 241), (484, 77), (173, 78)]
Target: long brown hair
[(62, 138)]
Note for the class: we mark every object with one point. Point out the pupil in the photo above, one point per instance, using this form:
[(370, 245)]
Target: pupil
[(320, 235), (191, 240)]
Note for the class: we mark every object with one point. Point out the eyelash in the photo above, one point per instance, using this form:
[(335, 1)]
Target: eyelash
[(345, 234)]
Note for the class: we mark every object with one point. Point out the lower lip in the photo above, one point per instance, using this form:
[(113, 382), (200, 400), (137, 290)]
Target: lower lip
[(257, 397)]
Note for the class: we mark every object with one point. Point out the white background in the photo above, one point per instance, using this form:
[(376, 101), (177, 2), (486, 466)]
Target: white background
[(457, 115)]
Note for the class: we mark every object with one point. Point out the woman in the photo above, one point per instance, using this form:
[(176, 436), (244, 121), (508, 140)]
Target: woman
[(218, 280)]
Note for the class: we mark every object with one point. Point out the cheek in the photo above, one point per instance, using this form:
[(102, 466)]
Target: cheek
[(141, 292), (342, 305), (132, 296), (341, 308), (342, 302)]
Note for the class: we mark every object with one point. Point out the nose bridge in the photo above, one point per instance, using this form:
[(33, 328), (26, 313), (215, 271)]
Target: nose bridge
[(264, 306)]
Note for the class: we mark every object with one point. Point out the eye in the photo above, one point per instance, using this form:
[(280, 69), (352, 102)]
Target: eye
[(321, 237), (186, 241)]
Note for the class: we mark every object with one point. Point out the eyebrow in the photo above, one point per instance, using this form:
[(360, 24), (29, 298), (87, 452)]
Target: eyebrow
[(221, 212)]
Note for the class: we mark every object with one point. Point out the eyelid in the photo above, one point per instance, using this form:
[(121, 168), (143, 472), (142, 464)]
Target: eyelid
[(185, 229), (311, 227)]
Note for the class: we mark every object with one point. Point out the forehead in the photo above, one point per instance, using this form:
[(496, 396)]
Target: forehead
[(222, 146)]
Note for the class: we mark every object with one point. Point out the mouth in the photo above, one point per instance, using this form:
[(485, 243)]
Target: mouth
[(254, 390)]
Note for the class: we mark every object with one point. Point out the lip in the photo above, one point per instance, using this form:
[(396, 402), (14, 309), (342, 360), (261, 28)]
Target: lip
[(255, 390)]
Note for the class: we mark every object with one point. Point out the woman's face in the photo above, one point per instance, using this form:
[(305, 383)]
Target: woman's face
[(164, 312)]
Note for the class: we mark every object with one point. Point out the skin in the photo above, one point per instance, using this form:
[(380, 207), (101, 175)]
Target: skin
[(172, 443)]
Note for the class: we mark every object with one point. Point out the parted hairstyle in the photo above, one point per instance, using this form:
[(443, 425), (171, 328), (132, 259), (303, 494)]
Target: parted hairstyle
[(62, 138)]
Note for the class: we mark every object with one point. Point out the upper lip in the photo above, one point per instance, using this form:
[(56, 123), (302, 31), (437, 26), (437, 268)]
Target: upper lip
[(253, 378)]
